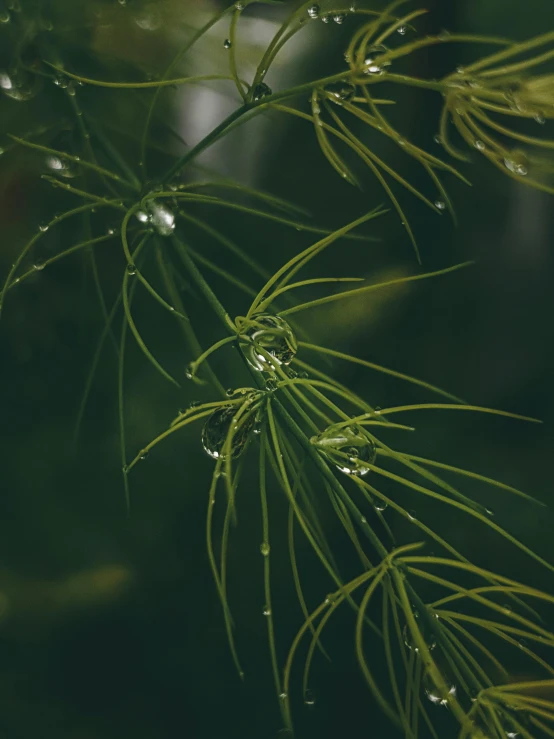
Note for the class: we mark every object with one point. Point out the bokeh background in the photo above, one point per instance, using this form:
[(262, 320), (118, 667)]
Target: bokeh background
[(109, 624)]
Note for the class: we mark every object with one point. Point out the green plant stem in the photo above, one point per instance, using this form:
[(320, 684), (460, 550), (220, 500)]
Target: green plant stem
[(206, 290), (205, 143), (284, 415), (256, 106)]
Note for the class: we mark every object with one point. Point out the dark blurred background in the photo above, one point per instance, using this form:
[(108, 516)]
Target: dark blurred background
[(109, 624)]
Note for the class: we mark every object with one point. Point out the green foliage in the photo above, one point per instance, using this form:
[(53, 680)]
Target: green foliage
[(324, 448)]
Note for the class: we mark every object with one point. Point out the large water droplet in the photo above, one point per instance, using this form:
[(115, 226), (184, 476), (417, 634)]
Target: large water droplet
[(267, 611), (338, 18), (374, 64), (261, 91), (60, 80), (271, 335), (350, 451), (313, 11), (159, 216), (217, 428), (402, 30), (227, 43), (341, 91), (62, 167), (479, 145), (163, 219), (517, 163), (435, 694), (18, 84), (426, 632)]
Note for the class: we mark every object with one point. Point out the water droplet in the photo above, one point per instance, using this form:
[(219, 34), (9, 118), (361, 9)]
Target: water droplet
[(194, 404), (5, 16), (159, 216), (261, 91), (230, 392), (350, 451), (303, 375), (271, 384), (517, 163), (438, 696), (380, 505), (440, 204), (479, 145), (162, 219), (539, 118), (39, 265), (412, 515), (341, 91), (401, 30), (60, 80), (428, 636), (62, 166), (227, 43), (267, 611), (218, 427), (111, 231), (239, 6), (264, 548), (326, 18), (309, 697), (460, 69), (282, 696), (189, 371), (338, 18), (489, 511), (437, 139), (363, 520), (507, 610), (331, 598), (142, 216), (144, 454), (43, 227), (149, 17), (131, 269), (19, 84), (374, 64), (313, 11), (268, 340)]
